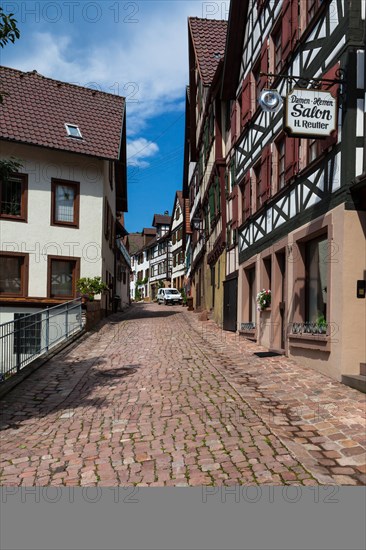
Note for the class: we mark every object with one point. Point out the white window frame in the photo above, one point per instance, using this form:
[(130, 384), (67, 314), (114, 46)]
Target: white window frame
[(68, 125)]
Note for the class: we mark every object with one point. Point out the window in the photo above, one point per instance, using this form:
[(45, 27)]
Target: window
[(13, 197), (267, 274), (65, 203), (316, 265), (13, 274), (312, 149), (27, 333), (63, 273), (73, 131), (249, 304)]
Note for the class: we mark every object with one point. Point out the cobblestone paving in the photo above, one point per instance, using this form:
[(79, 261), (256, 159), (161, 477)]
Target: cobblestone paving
[(156, 397)]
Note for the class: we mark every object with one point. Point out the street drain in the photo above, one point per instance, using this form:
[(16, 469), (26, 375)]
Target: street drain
[(267, 354)]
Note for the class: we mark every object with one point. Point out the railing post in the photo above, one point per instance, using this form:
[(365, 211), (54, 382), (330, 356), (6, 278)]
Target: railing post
[(18, 337), (47, 329), (67, 319)]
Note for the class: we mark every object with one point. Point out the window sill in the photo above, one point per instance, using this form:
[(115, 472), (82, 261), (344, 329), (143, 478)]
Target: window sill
[(8, 296), (64, 224), (318, 342), (249, 333), (6, 218)]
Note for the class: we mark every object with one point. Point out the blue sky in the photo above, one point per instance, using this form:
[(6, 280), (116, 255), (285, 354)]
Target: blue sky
[(138, 49)]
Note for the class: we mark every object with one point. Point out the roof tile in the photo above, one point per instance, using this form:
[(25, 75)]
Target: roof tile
[(36, 108), (209, 40)]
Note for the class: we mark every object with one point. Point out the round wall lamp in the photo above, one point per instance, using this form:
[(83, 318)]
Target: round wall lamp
[(270, 101)]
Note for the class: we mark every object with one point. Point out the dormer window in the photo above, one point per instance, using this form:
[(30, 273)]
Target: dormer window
[(73, 131)]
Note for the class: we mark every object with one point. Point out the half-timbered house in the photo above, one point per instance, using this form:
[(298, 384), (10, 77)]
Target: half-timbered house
[(302, 219), (207, 40), (178, 237), (159, 255)]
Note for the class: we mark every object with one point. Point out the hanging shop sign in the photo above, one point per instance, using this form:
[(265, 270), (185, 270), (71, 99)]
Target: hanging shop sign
[(310, 113)]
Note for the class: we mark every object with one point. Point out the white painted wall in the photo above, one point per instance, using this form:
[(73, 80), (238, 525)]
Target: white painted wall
[(37, 237), (178, 270)]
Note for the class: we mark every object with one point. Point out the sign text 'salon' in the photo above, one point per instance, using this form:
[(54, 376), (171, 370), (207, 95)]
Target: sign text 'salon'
[(310, 113)]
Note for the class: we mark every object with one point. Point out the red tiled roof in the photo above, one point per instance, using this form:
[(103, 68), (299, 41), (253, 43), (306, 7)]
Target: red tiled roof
[(149, 231), (209, 41), (36, 108), (134, 243), (187, 217), (161, 219)]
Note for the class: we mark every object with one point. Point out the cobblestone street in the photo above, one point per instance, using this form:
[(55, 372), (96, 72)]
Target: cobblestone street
[(156, 397)]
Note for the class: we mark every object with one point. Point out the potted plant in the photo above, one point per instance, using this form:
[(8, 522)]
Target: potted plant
[(90, 286), (184, 296), (263, 299), (321, 324)]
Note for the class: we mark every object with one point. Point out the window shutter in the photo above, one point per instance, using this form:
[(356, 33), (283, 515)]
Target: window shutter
[(247, 197), (232, 173), (334, 90), (246, 100), (233, 122), (217, 194), (291, 157), (211, 198), (235, 206), (294, 23), (106, 218), (266, 166), (286, 28), (226, 182), (264, 66)]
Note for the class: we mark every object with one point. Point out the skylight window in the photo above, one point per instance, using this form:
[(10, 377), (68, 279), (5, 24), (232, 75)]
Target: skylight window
[(73, 131)]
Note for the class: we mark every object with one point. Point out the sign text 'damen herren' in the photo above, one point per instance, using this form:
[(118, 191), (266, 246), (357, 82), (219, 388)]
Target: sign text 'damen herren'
[(310, 113)]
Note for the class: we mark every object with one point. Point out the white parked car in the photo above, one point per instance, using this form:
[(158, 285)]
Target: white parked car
[(169, 296)]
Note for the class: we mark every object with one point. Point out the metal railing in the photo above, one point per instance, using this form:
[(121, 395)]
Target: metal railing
[(309, 328), (31, 335)]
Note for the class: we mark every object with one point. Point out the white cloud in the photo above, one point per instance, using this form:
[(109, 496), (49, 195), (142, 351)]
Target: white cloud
[(147, 62), (140, 149)]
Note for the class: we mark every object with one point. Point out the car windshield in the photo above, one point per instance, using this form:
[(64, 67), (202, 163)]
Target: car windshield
[(172, 291)]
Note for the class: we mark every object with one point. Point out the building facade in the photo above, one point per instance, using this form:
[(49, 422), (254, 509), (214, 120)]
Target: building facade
[(59, 211), (160, 255), (301, 200), (204, 173), (178, 241)]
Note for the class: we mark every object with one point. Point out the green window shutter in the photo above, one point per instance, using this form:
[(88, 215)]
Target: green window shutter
[(232, 173), (211, 199), (212, 125), (217, 193)]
